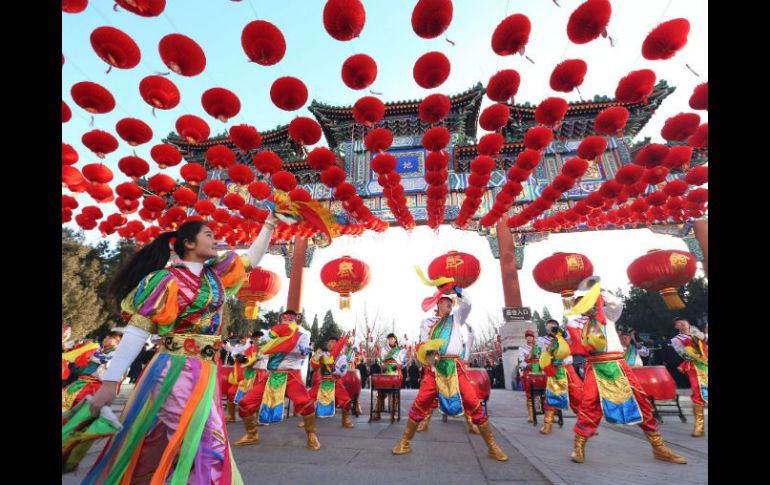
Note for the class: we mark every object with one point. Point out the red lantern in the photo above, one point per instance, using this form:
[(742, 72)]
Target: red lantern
[(511, 35), (384, 163), (143, 8), (192, 128), (568, 75), (245, 137), (652, 155), (434, 108), (97, 173), (126, 206), (220, 156), (92, 212), (592, 147), (85, 222), (92, 97), (430, 18), (368, 110), (359, 71), (115, 47), (636, 86), (263, 43), (159, 92), (562, 272), (666, 39), (431, 70), (262, 286), (629, 174), (68, 155), (700, 139), (345, 275), (697, 175), (184, 197), (161, 183), (700, 97), (489, 144), (678, 157), (436, 138), (100, 193), (165, 155), (680, 127), (575, 167), (135, 132), (503, 86), (379, 139), (117, 220), (134, 167), (321, 158), (215, 189), (283, 180), (193, 173), (589, 21), (305, 131), (538, 137), (344, 19), (611, 120), (551, 111), (288, 93), (528, 159), (260, 190), (221, 103), (663, 271), (655, 175), (241, 174), (73, 6), (267, 162), (233, 201), (99, 142), (333, 176), (494, 117), (463, 267), (182, 55), (205, 207), (66, 113)]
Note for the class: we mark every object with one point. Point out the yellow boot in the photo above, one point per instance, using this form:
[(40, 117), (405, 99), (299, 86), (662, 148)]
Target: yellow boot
[(472, 428), (252, 435), (312, 438), (660, 451), (403, 447), (547, 421), (579, 451), (700, 423), (230, 418), (346, 422), (530, 411), (494, 450), (423, 426)]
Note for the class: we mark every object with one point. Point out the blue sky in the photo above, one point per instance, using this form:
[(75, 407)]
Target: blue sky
[(316, 58)]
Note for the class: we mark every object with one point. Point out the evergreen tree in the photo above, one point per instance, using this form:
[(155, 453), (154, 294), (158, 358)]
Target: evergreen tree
[(83, 307), (537, 319), (314, 332), (328, 329)]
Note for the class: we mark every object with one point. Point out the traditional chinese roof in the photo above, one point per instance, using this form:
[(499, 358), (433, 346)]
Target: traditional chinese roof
[(401, 117)]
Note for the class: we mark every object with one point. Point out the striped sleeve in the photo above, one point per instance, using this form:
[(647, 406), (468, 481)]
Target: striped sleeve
[(153, 303), (231, 270)]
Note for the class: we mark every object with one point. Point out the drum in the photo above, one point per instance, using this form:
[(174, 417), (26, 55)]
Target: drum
[(386, 381), (351, 381), (537, 381), (479, 379), (656, 382)]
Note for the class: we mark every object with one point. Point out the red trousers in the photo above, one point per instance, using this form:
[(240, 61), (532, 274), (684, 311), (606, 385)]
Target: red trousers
[(231, 390), (590, 413), (295, 390), (574, 389), (341, 395), (689, 369), (427, 395)]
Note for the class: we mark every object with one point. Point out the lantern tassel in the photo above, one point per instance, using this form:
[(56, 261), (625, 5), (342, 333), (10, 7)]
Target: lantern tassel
[(671, 299), (344, 302), (252, 311)]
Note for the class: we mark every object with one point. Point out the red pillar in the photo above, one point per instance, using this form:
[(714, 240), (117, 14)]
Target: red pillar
[(294, 301), (511, 291), (701, 229)]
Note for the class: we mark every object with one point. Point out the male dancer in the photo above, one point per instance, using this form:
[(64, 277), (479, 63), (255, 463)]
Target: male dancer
[(691, 345), (333, 365), (529, 363), (90, 372), (563, 388), (243, 375)]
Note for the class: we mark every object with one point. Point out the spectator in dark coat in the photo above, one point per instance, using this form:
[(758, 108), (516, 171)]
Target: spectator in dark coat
[(414, 376), (138, 364), (364, 374)]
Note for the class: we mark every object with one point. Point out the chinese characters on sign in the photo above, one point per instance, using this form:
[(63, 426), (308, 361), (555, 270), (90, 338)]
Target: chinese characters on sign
[(516, 314)]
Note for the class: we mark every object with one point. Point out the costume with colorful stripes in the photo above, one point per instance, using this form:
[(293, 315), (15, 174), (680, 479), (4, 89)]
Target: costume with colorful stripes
[(695, 353), (90, 366), (173, 423), (563, 389), (328, 392)]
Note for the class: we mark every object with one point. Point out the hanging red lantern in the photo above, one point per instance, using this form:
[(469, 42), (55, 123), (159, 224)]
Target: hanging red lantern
[(97, 173), (592, 147), (368, 110), (245, 137), (436, 138), (503, 86), (494, 117), (101, 193), (589, 21), (344, 191), (159, 92), (100, 142), (575, 167), (126, 206), (434, 108), (430, 18), (568, 75), (215, 189), (518, 174), (73, 6), (655, 175), (135, 132), (260, 190), (675, 188), (241, 174), (204, 207), (220, 157), (143, 8), (384, 163), (193, 173), (262, 285), (92, 212), (463, 267), (66, 113), (379, 139), (92, 97), (288, 93), (267, 162), (166, 155), (192, 128), (359, 71), (233, 201), (221, 103), (344, 19), (551, 111), (656, 198), (305, 131), (538, 138), (129, 191), (283, 180), (333, 176), (489, 144), (117, 220), (115, 47), (85, 222), (700, 139), (698, 196), (263, 43), (431, 70), (666, 39), (182, 55), (680, 127), (161, 183), (68, 202), (562, 272), (300, 195), (528, 159), (561, 182), (611, 121), (698, 175), (629, 174), (345, 276), (678, 157), (635, 86), (511, 35), (663, 271), (700, 97), (68, 155), (651, 155), (321, 158)]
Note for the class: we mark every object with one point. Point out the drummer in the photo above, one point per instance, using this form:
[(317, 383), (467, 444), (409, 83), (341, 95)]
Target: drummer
[(632, 350), (529, 363), (333, 365), (393, 358), (440, 350), (692, 345)]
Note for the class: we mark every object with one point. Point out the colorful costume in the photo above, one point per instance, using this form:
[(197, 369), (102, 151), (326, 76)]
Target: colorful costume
[(173, 423), (445, 377), (693, 349), (287, 346), (90, 366), (393, 358), (633, 354), (529, 363), (328, 392), (241, 380), (610, 389), (563, 386)]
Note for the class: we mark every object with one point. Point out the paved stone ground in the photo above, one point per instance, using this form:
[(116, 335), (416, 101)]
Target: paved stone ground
[(447, 454)]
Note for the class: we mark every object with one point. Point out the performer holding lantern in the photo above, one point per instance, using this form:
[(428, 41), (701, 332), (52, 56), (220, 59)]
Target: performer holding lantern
[(563, 386), (691, 345), (609, 388)]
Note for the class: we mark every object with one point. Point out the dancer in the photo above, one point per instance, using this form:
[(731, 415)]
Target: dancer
[(632, 350), (529, 363), (328, 391), (173, 424), (692, 346), (393, 357), (564, 389), (90, 376), (241, 379)]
